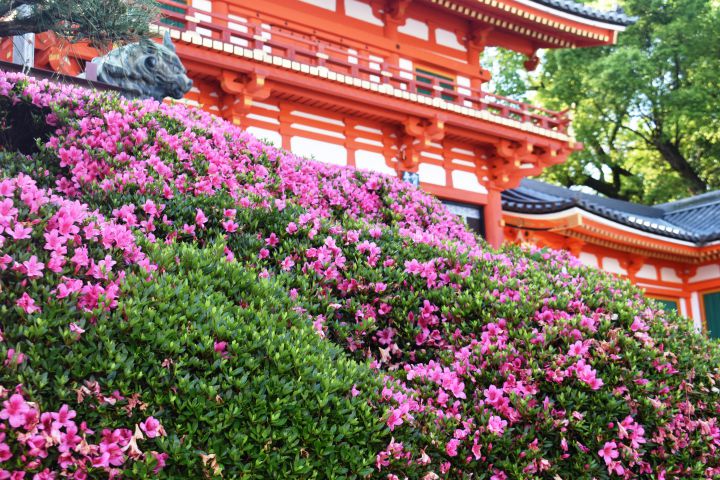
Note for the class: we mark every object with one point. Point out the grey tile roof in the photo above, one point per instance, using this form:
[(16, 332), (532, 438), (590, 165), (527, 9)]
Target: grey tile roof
[(695, 219), (616, 17)]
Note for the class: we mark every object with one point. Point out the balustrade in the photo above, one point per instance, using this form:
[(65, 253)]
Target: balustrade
[(303, 44)]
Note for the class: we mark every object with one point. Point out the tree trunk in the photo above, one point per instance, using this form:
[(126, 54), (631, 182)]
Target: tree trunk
[(606, 188), (677, 161)]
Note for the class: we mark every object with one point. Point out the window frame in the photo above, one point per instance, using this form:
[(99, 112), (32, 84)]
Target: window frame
[(448, 94), (703, 314)]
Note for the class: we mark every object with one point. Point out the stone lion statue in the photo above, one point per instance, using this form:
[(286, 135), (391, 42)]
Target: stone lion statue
[(145, 69)]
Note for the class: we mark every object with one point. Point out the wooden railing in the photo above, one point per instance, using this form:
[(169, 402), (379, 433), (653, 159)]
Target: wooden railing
[(261, 32)]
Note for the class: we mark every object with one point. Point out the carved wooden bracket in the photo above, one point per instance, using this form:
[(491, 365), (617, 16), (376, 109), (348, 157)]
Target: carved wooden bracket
[(252, 84), (574, 246), (396, 10), (416, 135), (425, 130), (633, 265), (503, 163), (686, 272), (532, 62), (478, 38), (240, 91)]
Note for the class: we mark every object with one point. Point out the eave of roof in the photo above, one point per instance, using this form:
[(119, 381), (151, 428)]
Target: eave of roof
[(695, 220), (617, 17)]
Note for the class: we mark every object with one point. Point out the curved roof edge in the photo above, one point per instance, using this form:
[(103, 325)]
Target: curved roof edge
[(696, 219), (616, 17)]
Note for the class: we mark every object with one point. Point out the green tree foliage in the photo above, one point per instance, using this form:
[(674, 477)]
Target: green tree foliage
[(102, 22), (646, 109), (509, 76)]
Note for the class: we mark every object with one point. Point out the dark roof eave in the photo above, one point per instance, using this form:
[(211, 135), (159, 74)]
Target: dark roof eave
[(535, 209), (678, 221), (569, 6)]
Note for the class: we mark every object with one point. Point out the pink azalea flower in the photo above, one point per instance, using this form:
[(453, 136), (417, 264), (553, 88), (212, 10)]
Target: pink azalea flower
[(63, 417), (14, 357), (27, 303), (75, 328), (150, 208), (152, 428), (33, 268), (609, 452), (230, 226), (161, 459), (18, 232), (272, 240), (200, 218), (221, 348), (5, 453), (394, 419), (14, 411), (5, 260), (80, 257), (287, 264), (476, 451), (452, 446), (496, 425)]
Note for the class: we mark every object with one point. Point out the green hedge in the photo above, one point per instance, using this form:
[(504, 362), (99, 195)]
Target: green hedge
[(276, 402)]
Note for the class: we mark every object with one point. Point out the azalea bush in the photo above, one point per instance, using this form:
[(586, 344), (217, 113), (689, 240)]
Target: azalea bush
[(128, 342), (282, 318)]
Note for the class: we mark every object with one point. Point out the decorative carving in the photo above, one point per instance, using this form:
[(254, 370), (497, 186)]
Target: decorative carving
[(145, 69), (240, 91), (416, 135), (478, 37), (432, 129), (504, 161), (396, 9), (532, 62)]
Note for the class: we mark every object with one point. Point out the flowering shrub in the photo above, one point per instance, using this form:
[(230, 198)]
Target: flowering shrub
[(29, 437), (198, 346), (509, 364)]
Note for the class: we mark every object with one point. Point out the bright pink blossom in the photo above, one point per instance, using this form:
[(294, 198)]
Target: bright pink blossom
[(152, 428), (27, 303)]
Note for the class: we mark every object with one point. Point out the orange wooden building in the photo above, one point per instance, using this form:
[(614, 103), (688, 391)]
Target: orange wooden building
[(396, 86), (388, 85)]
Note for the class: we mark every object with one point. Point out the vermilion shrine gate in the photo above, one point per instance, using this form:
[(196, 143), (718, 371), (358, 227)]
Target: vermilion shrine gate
[(389, 85), (396, 86)]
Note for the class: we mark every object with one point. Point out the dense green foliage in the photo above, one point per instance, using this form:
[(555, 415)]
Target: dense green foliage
[(101, 22), (274, 402), (244, 385), (645, 109), (272, 313)]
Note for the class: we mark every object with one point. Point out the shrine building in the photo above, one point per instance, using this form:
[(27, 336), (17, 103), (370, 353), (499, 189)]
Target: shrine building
[(396, 86), (671, 250)]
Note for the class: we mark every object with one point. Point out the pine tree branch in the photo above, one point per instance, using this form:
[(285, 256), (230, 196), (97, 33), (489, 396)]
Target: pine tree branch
[(100, 22), (7, 7)]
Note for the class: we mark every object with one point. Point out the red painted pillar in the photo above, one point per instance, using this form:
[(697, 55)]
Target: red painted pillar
[(493, 218), (221, 9)]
